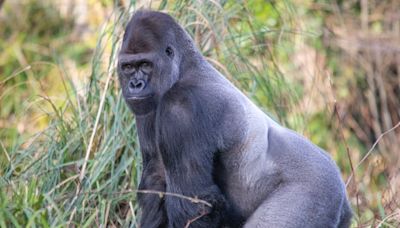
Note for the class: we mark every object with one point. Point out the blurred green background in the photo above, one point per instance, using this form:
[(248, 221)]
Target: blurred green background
[(68, 152)]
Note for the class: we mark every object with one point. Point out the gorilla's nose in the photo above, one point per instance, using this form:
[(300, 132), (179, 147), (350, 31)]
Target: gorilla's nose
[(136, 86)]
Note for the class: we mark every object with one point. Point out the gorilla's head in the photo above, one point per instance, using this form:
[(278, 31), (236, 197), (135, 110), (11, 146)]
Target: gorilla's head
[(150, 59)]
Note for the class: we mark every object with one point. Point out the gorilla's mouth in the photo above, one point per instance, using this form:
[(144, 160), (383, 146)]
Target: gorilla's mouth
[(139, 98)]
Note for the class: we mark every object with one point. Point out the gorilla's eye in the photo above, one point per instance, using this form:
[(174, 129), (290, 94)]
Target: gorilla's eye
[(145, 64), (127, 67), (169, 52), (145, 67)]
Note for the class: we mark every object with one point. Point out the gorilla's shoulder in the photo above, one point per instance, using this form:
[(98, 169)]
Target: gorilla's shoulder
[(179, 101), (294, 141), (190, 92), (180, 94), (195, 101), (296, 150)]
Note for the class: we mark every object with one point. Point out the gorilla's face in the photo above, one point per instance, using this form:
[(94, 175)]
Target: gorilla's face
[(148, 63)]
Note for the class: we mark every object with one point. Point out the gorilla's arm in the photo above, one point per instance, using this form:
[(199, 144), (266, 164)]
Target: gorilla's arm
[(153, 177), (152, 205), (187, 144)]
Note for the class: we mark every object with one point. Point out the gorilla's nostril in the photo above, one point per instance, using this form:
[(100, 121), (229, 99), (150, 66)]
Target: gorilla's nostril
[(139, 85), (136, 85)]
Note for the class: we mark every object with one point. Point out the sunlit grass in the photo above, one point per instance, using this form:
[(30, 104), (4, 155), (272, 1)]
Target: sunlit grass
[(83, 168)]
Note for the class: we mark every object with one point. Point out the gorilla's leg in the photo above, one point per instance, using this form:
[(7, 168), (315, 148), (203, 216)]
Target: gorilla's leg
[(345, 216), (294, 206)]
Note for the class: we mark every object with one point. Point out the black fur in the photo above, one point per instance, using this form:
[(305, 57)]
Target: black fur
[(201, 138)]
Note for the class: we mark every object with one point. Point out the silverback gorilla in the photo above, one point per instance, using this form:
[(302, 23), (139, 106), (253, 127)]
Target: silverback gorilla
[(201, 137)]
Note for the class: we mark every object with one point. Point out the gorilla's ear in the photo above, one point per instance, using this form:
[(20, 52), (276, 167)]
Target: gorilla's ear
[(169, 51)]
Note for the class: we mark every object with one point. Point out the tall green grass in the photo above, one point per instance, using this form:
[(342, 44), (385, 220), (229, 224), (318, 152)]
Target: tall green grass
[(83, 169)]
